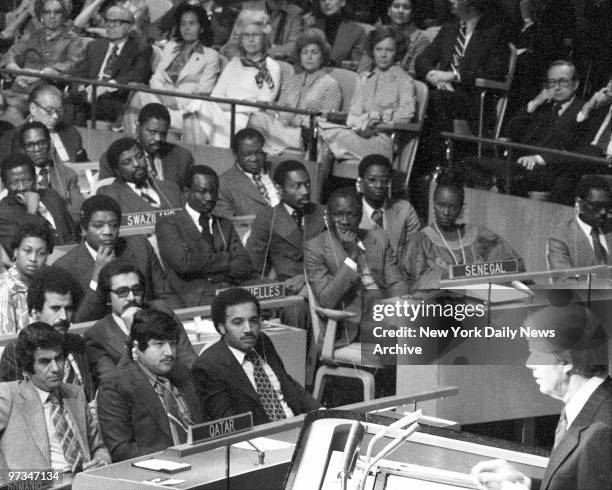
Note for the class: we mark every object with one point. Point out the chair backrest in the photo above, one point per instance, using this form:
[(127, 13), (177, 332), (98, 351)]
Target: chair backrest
[(316, 320), (502, 103), (347, 80), (405, 160)]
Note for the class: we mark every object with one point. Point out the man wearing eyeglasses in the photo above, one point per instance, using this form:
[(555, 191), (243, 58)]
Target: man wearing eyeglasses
[(149, 401), (35, 141), (121, 287), (246, 187), (123, 56), (584, 240)]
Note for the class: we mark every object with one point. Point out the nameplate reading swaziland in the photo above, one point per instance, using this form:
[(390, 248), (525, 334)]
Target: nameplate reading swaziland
[(145, 218), (268, 290), (484, 269), (220, 428)]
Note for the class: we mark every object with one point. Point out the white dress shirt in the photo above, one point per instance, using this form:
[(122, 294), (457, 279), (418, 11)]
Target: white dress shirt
[(586, 228), (152, 193), (268, 184), (195, 216)]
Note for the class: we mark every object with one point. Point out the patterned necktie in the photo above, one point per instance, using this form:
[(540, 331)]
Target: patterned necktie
[(261, 187), (144, 193), (561, 428), (297, 215), (377, 218), (178, 411), (151, 166), (43, 178), (263, 74), (63, 431), (206, 234), (267, 396), (110, 63), (459, 49), (601, 256)]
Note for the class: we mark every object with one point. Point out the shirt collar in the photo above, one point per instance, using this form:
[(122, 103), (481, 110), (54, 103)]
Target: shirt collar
[(121, 324), (44, 395), (585, 227), (119, 45), (470, 25), (238, 354), (578, 400), (565, 105), (92, 252)]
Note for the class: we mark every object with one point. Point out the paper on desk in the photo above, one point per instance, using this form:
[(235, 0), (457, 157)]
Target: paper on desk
[(160, 465), (161, 481), (263, 444)]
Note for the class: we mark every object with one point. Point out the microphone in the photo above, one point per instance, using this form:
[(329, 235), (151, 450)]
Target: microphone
[(353, 441)]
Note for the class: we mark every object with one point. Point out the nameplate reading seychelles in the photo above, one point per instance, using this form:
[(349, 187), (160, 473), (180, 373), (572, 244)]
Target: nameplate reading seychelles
[(266, 290), (220, 428), (145, 218), (484, 269)]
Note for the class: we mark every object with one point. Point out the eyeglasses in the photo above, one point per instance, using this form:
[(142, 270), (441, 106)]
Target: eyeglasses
[(117, 22), (33, 145), (124, 291), (562, 82), (53, 12), (598, 207), (51, 111)]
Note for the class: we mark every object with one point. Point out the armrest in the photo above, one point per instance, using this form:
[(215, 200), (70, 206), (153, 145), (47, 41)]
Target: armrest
[(491, 84), (329, 340), (335, 315), (407, 127)]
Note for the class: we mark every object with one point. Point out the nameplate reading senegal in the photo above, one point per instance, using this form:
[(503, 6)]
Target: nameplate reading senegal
[(484, 269), (220, 428), (145, 218), (263, 291)]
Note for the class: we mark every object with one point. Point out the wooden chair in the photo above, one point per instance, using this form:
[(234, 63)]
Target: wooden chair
[(343, 361)]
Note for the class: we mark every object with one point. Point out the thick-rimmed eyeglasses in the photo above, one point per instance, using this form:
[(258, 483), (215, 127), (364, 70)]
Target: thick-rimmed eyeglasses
[(124, 291), (51, 111), (562, 82), (34, 145)]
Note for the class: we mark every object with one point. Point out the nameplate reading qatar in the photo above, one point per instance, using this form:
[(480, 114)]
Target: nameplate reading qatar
[(220, 428), (145, 218), (484, 269), (266, 290)]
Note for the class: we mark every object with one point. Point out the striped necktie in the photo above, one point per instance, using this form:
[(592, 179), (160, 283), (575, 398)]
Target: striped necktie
[(261, 187), (64, 432), (110, 63), (561, 428), (459, 49)]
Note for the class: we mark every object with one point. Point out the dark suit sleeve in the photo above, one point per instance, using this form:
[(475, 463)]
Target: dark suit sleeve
[(215, 399), (394, 279), (105, 170), (161, 288), (594, 456), (139, 70), (257, 244), (493, 61), (430, 57), (239, 263), (102, 363), (115, 417), (8, 227)]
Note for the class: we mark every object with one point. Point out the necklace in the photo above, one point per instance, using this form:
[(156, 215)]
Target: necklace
[(448, 246)]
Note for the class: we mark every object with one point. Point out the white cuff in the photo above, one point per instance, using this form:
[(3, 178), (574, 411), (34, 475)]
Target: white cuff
[(93, 285), (351, 263)]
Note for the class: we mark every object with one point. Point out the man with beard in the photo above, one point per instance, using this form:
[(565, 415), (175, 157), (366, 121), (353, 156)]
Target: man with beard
[(584, 240), (148, 402), (35, 141), (165, 161), (100, 217), (53, 297), (242, 372), (122, 287), (134, 188)]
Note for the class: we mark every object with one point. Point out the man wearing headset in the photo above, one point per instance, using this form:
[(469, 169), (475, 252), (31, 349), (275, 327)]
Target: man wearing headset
[(149, 401)]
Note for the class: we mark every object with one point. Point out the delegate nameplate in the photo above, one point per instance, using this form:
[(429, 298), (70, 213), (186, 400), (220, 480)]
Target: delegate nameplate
[(145, 218), (263, 291), (484, 269), (220, 428)]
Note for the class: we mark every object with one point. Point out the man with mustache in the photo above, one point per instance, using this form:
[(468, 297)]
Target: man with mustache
[(121, 287), (242, 372), (53, 297), (148, 402), (44, 421)]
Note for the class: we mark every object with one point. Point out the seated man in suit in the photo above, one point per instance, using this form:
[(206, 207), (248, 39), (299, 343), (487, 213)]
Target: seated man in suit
[(134, 188), (396, 217), (202, 252), (242, 372), (46, 105), (122, 56), (473, 46), (571, 366), (53, 297), (44, 421), (351, 267), (122, 286), (100, 218), (584, 240), (35, 141), (596, 117), (25, 204), (246, 187), (148, 402), (165, 161)]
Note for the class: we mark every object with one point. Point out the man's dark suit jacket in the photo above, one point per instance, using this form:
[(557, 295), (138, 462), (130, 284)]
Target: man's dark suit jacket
[(225, 389), (106, 344), (194, 268), (135, 250), (276, 239), (75, 345), (176, 160), (70, 136), (132, 418), (590, 127), (130, 202), (13, 215), (133, 63), (349, 44), (486, 55), (238, 195), (582, 458)]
